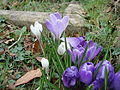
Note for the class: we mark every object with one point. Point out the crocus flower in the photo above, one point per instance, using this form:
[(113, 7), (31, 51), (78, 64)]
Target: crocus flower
[(92, 51), (61, 48), (70, 76), (101, 74), (116, 81), (74, 41), (45, 64), (86, 72), (57, 24), (77, 54), (36, 29)]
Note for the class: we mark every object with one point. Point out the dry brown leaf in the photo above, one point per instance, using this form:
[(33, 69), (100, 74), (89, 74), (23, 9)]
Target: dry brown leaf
[(36, 47), (39, 58), (108, 10), (28, 77)]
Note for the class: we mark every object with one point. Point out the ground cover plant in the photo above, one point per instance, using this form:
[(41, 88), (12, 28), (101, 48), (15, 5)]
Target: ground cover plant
[(56, 60)]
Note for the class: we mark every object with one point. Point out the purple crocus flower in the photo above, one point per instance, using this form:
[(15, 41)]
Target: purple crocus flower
[(57, 24), (70, 76), (92, 51), (116, 81), (86, 72), (77, 54), (98, 83)]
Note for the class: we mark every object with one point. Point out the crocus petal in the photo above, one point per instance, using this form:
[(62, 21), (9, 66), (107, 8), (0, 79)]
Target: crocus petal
[(61, 48), (74, 41), (59, 29), (53, 19), (116, 81), (50, 26), (65, 21), (58, 15), (38, 26)]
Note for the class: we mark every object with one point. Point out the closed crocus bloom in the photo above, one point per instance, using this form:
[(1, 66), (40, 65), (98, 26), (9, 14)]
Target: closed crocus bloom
[(36, 29), (61, 48), (57, 24), (77, 54), (101, 74), (70, 76), (116, 81), (86, 72), (45, 64), (92, 51)]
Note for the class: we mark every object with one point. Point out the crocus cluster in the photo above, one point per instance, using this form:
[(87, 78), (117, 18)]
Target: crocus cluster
[(86, 74), (82, 46)]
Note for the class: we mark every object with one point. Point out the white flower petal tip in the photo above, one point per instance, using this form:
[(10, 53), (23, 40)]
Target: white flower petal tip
[(61, 48), (45, 63), (36, 29)]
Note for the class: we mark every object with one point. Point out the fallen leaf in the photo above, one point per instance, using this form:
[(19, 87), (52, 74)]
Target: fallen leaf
[(28, 77), (39, 58), (108, 10), (36, 47)]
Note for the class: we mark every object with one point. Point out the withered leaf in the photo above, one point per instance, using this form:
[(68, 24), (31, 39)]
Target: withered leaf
[(28, 77)]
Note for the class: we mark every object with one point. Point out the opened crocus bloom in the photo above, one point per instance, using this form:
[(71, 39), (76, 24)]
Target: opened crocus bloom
[(86, 72), (56, 25), (70, 76), (36, 29)]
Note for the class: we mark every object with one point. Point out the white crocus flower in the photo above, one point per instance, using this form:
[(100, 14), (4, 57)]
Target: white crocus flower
[(36, 29), (61, 48), (45, 64)]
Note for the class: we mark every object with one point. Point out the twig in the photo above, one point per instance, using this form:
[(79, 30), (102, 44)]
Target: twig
[(15, 42)]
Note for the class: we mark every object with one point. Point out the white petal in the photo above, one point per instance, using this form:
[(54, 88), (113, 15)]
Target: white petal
[(61, 48), (45, 63), (38, 26)]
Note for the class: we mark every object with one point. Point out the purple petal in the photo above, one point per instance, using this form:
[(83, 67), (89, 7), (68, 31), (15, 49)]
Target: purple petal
[(65, 21), (59, 29), (49, 26), (58, 15), (53, 18)]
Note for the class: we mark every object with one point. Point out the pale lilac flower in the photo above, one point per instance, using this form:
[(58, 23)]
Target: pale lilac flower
[(57, 24), (36, 29), (74, 41), (70, 76), (86, 73)]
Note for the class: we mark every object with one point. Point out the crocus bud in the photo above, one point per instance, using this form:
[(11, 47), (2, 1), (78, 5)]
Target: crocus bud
[(70, 76), (61, 48), (99, 82), (45, 64), (36, 29), (86, 72), (116, 81)]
